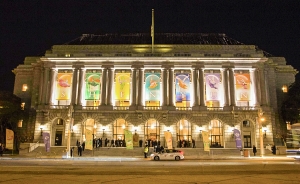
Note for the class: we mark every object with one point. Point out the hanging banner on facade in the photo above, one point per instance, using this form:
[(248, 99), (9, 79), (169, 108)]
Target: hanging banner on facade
[(242, 86), (122, 86), (88, 139), (152, 87), (213, 86), (9, 139), (92, 86), (238, 140), (64, 86), (135, 139), (128, 139), (182, 87), (46, 138), (206, 142), (168, 137)]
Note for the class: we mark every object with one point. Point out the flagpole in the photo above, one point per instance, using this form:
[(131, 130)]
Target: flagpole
[(152, 30)]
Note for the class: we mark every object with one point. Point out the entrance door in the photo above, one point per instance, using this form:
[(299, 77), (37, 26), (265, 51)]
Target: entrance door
[(58, 138), (247, 141)]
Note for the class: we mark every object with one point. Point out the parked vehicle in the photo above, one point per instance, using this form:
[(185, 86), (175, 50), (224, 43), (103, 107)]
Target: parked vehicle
[(168, 154)]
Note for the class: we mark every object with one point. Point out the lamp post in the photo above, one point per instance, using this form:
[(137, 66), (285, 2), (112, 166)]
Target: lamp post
[(70, 115)]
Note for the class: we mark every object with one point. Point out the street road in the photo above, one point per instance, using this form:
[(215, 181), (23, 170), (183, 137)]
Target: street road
[(137, 170)]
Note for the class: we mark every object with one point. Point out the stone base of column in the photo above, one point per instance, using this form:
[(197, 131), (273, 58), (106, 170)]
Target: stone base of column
[(105, 107), (164, 107), (171, 108), (203, 108), (77, 107), (228, 108), (196, 108), (132, 107), (140, 107)]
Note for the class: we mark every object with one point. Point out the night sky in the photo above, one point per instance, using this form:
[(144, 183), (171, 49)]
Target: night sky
[(29, 28)]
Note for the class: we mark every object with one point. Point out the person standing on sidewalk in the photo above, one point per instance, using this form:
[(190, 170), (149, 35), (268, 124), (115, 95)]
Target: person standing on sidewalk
[(254, 150), (1, 150), (146, 150)]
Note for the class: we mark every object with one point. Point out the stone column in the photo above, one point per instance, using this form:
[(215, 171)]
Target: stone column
[(171, 87), (263, 87), (74, 86), (225, 86), (110, 86), (103, 87), (232, 87), (81, 79), (45, 85), (52, 84), (133, 87), (164, 87), (195, 79), (40, 100), (253, 87), (141, 87), (201, 87)]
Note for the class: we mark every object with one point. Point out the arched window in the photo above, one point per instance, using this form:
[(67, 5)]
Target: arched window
[(119, 126), (216, 134), (152, 130), (184, 133)]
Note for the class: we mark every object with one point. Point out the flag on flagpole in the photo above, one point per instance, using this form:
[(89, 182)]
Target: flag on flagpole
[(128, 139), (88, 140), (168, 137), (237, 136), (206, 143), (9, 139), (46, 138)]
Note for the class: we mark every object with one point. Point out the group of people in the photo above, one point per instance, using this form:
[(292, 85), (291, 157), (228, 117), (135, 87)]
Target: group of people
[(185, 144), (107, 143)]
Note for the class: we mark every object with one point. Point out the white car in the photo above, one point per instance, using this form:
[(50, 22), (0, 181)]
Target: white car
[(168, 154)]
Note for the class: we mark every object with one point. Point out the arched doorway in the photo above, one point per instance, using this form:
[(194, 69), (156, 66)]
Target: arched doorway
[(58, 129), (119, 126), (247, 133), (152, 131), (216, 134), (89, 124), (184, 134)]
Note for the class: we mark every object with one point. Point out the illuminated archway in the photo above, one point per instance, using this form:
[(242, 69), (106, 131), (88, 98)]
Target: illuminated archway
[(216, 134), (152, 130), (184, 133), (119, 126)]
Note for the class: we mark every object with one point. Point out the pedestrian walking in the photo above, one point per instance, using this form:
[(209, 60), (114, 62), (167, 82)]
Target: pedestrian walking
[(254, 150), (79, 148)]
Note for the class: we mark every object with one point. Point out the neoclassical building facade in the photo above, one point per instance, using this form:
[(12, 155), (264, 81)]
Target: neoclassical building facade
[(184, 84)]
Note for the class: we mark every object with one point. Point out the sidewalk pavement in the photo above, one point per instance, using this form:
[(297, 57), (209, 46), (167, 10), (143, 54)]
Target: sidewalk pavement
[(141, 158)]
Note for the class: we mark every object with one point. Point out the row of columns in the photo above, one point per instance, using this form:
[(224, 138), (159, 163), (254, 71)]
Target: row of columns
[(137, 85)]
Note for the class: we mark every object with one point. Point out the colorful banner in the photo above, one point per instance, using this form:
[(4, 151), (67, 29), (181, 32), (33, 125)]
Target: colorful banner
[(46, 138), (152, 87), (88, 139), (238, 140), (206, 142), (242, 86), (213, 86), (122, 86), (168, 137), (128, 139), (64, 86), (92, 86), (9, 139), (182, 87)]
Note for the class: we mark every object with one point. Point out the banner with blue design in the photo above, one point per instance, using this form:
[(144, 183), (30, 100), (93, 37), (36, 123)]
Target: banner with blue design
[(238, 140), (46, 138)]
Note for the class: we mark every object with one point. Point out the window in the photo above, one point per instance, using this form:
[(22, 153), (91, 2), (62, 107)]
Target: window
[(24, 87), (22, 106), (284, 89), (152, 130), (216, 134), (119, 126), (60, 122), (246, 123), (184, 136)]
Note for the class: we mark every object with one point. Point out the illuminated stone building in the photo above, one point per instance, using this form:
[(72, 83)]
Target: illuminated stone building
[(184, 84)]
